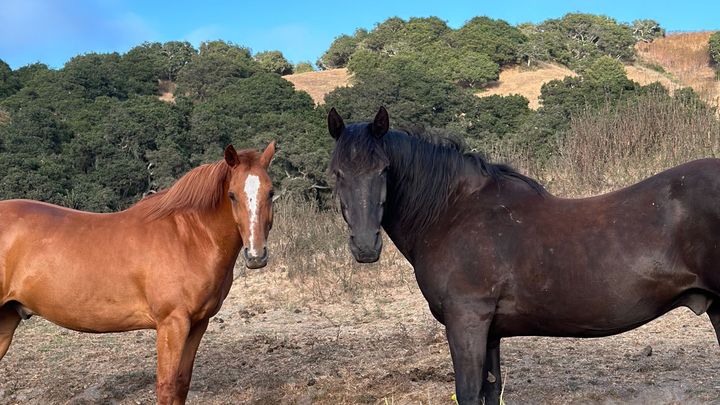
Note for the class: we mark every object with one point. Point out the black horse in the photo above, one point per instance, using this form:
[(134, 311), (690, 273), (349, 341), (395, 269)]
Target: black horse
[(495, 255)]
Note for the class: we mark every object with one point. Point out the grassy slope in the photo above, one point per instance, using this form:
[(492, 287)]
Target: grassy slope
[(683, 57)]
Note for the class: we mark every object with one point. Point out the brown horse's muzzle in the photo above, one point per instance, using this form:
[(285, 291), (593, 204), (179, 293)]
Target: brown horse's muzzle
[(255, 262)]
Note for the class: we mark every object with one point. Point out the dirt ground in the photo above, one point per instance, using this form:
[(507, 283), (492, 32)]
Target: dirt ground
[(296, 340)]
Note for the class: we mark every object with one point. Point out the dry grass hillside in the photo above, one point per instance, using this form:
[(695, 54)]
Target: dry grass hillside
[(515, 80), (526, 82), (683, 57), (320, 83)]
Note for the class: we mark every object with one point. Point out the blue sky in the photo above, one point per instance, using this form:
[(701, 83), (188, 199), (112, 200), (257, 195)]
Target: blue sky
[(52, 31)]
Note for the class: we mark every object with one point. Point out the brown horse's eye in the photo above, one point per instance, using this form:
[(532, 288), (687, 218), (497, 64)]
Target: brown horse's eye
[(271, 194), (231, 195)]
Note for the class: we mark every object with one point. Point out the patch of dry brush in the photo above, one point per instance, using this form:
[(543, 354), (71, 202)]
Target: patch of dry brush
[(685, 56)]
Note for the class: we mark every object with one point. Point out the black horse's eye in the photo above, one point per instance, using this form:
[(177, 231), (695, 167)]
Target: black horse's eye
[(231, 195)]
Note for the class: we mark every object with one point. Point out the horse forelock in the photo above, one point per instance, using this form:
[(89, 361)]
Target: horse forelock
[(201, 189), (357, 149)]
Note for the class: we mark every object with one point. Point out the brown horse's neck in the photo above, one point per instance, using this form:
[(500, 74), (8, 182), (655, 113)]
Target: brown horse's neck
[(212, 227)]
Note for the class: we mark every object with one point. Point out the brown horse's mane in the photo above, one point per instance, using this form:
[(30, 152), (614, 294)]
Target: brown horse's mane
[(201, 189)]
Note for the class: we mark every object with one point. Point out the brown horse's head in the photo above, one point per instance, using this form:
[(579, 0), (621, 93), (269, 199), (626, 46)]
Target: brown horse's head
[(250, 191), (360, 167)]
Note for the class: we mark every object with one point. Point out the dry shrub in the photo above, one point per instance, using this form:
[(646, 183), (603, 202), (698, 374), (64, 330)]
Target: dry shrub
[(619, 145), (311, 245)]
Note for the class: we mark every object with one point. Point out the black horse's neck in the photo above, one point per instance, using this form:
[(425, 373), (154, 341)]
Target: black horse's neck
[(421, 181), (425, 176)]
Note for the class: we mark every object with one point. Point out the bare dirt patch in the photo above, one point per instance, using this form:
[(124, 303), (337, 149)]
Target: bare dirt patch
[(319, 84)]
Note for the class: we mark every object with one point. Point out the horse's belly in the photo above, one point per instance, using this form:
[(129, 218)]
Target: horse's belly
[(89, 304), (93, 317), (589, 319)]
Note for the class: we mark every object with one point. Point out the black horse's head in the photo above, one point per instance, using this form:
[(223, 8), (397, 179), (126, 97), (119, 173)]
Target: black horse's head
[(359, 164)]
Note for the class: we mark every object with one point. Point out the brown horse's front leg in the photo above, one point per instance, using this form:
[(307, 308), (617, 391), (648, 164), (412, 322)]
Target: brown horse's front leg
[(172, 334), (9, 320), (187, 361), (467, 324)]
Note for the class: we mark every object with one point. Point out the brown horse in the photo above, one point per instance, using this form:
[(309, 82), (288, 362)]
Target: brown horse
[(165, 263), (495, 255)]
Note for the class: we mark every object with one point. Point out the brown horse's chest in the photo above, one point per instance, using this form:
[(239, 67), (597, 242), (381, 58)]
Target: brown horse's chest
[(214, 297)]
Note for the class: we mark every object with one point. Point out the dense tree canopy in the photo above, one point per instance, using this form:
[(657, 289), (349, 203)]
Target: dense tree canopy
[(576, 39), (94, 135), (647, 30), (274, 62)]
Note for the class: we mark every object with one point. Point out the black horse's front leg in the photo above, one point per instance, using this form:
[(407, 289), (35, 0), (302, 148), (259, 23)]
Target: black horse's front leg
[(492, 381), (467, 326)]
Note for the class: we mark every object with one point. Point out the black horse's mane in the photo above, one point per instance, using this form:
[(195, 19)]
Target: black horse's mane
[(426, 169)]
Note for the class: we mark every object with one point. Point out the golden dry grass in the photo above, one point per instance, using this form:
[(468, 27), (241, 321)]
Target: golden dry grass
[(526, 82), (684, 56), (318, 84), (645, 76), (616, 146)]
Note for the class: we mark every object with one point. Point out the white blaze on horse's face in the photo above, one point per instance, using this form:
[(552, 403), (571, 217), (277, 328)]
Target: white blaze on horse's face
[(252, 190)]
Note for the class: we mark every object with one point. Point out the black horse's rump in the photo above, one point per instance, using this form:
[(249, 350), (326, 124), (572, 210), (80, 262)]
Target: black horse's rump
[(497, 256)]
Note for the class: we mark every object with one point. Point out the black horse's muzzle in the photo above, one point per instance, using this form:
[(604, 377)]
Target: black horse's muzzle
[(366, 247), (255, 262)]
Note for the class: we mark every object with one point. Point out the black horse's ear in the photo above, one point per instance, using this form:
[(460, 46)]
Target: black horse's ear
[(231, 156), (336, 126), (381, 124)]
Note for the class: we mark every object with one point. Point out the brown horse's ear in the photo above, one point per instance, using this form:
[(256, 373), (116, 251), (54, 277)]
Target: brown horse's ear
[(231, 156), (381, 124), (335, 124), (267, 155)]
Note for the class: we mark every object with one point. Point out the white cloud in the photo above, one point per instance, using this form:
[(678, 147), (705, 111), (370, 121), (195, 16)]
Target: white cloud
[(52, 31)]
